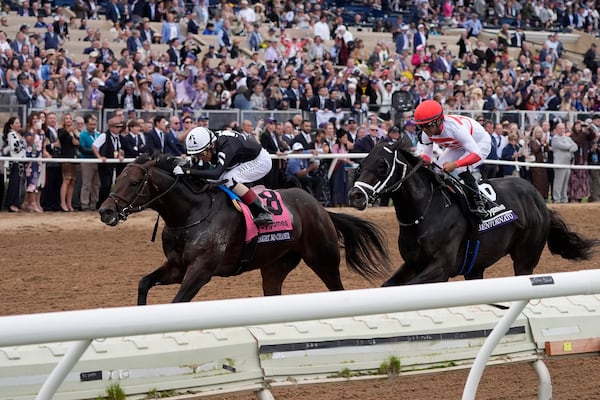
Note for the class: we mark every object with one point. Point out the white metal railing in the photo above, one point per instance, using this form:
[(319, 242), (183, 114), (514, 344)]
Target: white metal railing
[(85, 325)]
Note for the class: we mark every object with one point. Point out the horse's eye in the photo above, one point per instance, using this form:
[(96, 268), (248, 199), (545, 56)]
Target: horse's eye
[(382, 169), (135, 183)]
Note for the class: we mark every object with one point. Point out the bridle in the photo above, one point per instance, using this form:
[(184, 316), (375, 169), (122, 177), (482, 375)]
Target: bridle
[(141, 193), (381, 186)]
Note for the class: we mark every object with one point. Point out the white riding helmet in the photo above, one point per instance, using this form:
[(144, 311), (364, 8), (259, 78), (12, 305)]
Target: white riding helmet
[(199, 139)]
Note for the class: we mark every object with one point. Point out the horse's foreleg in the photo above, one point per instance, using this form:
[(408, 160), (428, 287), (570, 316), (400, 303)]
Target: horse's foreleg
[(163, 275), (197, 275)]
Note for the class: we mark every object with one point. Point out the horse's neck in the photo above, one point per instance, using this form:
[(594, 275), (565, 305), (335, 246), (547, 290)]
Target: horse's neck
[(412, 198), (181, 206)]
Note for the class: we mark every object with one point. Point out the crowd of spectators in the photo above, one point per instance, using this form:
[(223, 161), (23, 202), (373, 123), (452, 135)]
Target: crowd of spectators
[(329, 70)]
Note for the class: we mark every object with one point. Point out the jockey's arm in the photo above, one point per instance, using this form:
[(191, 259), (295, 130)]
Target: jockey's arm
[(471, 149), (209, 173), (427, 154)]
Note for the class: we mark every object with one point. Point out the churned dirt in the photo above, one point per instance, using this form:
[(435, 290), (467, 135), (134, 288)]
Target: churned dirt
[(69, 261)]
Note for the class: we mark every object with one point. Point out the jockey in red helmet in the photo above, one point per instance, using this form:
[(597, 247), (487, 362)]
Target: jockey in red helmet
[(464, 141)]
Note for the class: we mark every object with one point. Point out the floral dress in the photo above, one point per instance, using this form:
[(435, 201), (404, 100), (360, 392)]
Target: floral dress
[(34, 168)]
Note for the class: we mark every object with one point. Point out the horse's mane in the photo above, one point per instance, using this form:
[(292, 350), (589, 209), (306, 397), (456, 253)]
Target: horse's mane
[(413, 160)]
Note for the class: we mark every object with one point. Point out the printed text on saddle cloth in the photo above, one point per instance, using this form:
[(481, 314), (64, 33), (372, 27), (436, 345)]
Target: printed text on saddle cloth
[(499, 215), (281, 228)]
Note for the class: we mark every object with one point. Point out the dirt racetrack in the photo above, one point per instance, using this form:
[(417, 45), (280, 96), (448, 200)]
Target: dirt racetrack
[(68, 261)]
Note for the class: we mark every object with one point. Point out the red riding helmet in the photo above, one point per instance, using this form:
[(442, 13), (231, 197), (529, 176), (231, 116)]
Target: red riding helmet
[(428, 111)]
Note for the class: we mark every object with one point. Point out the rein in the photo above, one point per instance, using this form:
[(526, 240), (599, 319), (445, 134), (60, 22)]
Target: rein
[(422, 217)]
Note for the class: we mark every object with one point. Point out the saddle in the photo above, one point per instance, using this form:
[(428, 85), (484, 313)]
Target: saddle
[(498, 213)]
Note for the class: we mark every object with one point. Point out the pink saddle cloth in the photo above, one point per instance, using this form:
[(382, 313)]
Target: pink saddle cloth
[(281, 228)]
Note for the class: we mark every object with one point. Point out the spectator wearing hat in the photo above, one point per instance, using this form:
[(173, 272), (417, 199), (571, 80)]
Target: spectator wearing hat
[(245, 14), (107, 146), (420, 37), (402, 41), (147, 101), (300, 169)]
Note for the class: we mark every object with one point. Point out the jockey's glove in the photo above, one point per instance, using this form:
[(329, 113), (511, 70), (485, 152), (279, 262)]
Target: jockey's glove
[(178, 170)]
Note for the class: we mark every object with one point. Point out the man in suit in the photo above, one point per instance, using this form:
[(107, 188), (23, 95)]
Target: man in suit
[(108, 146), (151, 11), (61, 27), (402, 39), (174, 52), (157, 140), (134, 42), (366, 143), (553, 102), (147, 33), (305, 136), (25, 93), (270, 141), (133, 142), (115, 13), (294, 93), (321, 100), (518, 38)]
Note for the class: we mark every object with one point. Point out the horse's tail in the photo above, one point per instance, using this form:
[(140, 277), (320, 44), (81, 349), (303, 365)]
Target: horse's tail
[(364, 243), (566, 243)]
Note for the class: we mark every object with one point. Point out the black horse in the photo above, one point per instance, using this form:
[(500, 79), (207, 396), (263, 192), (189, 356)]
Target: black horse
[(204, 235), (439, 239)]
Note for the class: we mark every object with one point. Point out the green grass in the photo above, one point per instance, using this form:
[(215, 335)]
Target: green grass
[(391, 366)]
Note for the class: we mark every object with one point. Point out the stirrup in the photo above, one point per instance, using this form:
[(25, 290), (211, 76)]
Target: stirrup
[(479, 211)]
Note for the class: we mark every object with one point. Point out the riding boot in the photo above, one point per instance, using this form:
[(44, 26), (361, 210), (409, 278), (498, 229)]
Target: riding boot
[(478, 204), (260, 213)]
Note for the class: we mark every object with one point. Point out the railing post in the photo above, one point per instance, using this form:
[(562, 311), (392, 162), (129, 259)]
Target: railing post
[(62, 369), (490, 344)]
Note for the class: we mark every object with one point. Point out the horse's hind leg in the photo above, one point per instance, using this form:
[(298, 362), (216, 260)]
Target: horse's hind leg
[(166, 274), (275, 273), (325, 262), (401, 276), (525, 258)]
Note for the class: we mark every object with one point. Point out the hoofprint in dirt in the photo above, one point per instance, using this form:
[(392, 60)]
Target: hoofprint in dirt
[(69, 261)]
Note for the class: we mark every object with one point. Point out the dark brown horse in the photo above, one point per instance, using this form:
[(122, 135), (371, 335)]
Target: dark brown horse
[(204, 235)]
